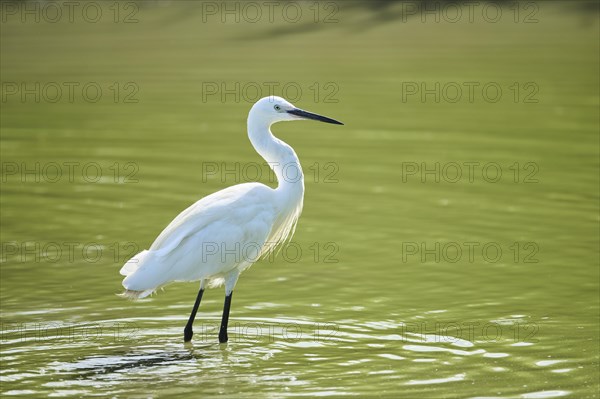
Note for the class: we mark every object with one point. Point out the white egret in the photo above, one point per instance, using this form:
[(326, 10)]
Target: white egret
[(222, 234)]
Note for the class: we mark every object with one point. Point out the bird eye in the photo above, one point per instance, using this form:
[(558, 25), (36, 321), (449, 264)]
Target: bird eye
[(277, 108)]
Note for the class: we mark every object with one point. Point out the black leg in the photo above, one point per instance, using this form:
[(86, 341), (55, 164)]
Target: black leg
[(188, 332), (223, 332)]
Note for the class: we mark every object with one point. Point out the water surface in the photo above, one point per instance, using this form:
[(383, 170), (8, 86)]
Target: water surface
[(394, 286)]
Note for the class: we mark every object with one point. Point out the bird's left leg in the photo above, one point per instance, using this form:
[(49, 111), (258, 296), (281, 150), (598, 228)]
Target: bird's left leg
[(230, 281), (188, 332)]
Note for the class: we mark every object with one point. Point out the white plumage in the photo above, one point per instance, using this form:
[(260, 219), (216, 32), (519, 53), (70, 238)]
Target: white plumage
[(222, 234), (219, 234)]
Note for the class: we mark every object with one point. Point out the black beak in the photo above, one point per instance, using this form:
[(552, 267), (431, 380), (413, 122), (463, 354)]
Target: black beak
[(310, 115)]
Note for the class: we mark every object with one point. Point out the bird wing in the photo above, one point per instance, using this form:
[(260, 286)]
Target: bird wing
[(227, 204), (233, 223)]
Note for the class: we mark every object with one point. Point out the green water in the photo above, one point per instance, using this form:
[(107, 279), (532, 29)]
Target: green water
[(400, 282)]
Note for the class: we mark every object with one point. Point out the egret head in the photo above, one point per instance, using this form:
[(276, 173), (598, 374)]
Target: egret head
[(274, 109)]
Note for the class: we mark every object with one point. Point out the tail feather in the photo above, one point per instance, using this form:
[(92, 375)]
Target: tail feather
[(133, 264), (129, 269), (144, 274), (135, 295), (150, 270)]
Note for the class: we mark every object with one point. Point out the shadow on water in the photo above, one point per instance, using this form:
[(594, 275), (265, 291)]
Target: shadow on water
[(128, 360)]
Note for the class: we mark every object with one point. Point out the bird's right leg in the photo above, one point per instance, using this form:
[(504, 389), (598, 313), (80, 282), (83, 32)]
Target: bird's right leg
[(188, 332), (230, 281)]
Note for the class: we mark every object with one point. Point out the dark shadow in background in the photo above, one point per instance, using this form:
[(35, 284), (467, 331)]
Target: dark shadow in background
[(376, 12)]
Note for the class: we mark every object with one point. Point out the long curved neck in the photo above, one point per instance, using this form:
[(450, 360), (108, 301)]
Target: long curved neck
[(280, 157)]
